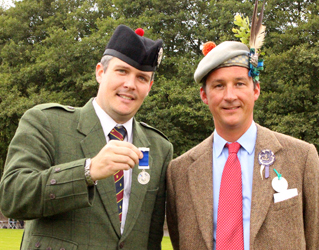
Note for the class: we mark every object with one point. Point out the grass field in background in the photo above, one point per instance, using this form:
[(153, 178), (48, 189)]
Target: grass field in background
[(10, 239)]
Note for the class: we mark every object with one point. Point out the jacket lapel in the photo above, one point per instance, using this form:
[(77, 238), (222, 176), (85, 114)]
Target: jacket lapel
[(138, 190), (90, 126), (262, 192), (200, 176)]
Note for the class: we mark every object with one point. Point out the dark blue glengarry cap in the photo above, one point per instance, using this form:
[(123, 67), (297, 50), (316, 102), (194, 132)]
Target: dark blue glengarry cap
[(140, 52)]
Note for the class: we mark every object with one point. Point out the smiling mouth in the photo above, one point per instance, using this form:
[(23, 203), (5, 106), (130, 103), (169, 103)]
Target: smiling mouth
[(126, 97), (231, 108)]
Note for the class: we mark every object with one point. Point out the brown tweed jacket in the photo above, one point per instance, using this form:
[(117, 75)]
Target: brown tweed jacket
[(290, 224)]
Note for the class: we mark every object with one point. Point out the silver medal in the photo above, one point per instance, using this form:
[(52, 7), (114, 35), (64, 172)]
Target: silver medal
[(143, 177), (279, 185)]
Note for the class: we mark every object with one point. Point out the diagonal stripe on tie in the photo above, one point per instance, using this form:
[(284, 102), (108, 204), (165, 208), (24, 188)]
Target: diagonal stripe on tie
[(118, 133)]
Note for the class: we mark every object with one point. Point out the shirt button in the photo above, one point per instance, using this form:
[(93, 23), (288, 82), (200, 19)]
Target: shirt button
[(53, 181), (52, 196), (57, 170), (122, 244)]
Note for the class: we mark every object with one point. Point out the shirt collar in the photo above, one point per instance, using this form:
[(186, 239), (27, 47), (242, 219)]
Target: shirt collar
[(247, 140), (108, 123)]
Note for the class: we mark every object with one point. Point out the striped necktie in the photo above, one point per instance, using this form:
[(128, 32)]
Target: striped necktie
[(229, 231), (118, 133)]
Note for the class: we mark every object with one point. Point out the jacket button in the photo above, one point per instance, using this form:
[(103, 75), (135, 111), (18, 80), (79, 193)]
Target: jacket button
[(62, 248), (53, 181), (48, 248), (57, 170), (52, 196), (122, 244), (37, 245)]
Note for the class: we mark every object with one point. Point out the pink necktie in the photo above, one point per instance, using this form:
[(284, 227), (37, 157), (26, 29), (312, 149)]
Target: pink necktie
[(229, 232)]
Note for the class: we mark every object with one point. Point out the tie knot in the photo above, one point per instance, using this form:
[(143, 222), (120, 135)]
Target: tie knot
[(233, 147), (117, 133)]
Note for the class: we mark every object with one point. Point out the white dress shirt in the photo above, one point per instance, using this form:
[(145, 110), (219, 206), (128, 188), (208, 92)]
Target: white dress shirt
[(108, 124)]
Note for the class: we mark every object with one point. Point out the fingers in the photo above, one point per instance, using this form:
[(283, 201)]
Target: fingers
[(125, 144), (116, 155)]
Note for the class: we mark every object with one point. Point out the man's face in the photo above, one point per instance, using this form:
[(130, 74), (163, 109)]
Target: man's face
[(122, 90), (230, 95)]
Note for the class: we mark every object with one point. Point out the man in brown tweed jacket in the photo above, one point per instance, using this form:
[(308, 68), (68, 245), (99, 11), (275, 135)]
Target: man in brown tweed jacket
[(274, 217), (59, 152)]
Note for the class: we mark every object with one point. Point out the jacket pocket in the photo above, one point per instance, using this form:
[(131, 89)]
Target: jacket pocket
[(288, 203), (42, 242)]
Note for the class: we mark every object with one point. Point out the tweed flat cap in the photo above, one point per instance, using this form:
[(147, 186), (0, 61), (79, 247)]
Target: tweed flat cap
[(138, 51), (229, 53)]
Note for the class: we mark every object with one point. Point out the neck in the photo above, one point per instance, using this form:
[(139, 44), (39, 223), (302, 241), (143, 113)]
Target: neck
[(231, 134)]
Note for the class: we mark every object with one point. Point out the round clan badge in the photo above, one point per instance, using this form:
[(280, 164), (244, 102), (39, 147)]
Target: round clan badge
[(159, 57), (266, 157)]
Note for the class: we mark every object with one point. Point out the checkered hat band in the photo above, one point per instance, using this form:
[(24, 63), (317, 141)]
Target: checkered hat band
[(241, 60)]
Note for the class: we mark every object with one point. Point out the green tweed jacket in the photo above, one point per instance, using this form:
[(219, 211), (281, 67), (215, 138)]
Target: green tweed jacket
[(44, 183)]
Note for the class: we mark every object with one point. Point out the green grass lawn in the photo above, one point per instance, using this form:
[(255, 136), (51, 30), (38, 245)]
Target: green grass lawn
[(10, 239), (166, 243)]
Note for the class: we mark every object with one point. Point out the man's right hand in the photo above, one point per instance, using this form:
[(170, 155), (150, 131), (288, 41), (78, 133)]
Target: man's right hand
[(114, 156)]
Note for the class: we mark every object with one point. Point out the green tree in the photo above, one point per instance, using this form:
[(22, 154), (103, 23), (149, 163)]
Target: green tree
[(290, 85), (49, 49)]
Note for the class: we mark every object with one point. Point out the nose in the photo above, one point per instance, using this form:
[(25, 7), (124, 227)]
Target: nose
[(230, 93), (130, 82)]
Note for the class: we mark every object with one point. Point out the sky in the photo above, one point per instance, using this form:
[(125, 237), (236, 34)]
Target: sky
[(6, 3)]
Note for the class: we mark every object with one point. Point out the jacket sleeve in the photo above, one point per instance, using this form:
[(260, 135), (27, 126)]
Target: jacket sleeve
[(33, 185), (172, 221), (311, 200), (158, 216)]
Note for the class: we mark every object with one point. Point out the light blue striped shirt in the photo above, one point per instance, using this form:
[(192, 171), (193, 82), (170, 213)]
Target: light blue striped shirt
[(246, 157)]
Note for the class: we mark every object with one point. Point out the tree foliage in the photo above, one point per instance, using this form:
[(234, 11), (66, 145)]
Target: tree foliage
[(49, 49)]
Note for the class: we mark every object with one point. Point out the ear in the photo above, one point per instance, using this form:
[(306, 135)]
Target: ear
[(203, 95), (99, 71), (151, 84), (256, 91), (149, 88)]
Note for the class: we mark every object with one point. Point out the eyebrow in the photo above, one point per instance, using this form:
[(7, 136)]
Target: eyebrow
[(241, 78), (129, 68)]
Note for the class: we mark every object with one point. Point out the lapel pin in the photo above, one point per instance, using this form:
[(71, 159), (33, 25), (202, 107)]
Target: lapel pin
[(144, 177), (265, 158)]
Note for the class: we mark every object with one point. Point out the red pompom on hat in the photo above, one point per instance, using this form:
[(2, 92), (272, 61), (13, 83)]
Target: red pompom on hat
[(207, 47), (139, 31)]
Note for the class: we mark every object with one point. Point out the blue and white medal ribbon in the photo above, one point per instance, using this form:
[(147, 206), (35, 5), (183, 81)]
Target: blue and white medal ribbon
[(144, 177)]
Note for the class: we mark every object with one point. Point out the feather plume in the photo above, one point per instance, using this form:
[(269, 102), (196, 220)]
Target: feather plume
[(257, 33)]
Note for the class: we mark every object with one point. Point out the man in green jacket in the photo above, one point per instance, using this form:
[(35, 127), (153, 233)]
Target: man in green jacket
[(75, 173)]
